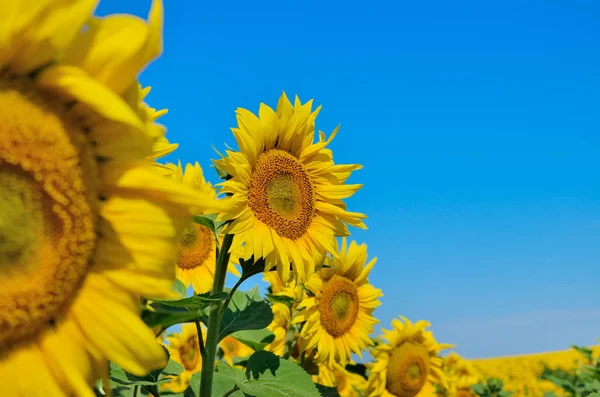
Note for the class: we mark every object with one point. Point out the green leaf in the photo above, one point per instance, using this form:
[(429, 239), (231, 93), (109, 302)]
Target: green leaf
[(194, 303), (327, 391), (173, 368), (270, 376), (206, 220), (246, 311), (286, 300), (257, 339), (179, 287), (195, 383)]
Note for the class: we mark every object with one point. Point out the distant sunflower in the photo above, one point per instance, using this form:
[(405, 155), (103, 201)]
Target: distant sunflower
[(408, 365), (339, 317), (86, 225), (232, 348), (197, 245), (348, 384), (286, 192), (184, 348), (279, 326)]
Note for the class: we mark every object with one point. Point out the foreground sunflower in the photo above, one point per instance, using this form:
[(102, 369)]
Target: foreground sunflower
[(183, 348), (408, 365), (197, 245), (286, 192), (339, 315), (86, 226)]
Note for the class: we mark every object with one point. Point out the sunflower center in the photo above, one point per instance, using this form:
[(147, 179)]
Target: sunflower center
[(407, 370), (338, 305), (281, 193), (47, 215), (197, 245), (189, 353)]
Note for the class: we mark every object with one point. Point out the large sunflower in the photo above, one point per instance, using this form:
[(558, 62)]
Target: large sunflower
[(286, 192), (408, 365), (339, 315), (197, 245), (86, 226), (183, 348)]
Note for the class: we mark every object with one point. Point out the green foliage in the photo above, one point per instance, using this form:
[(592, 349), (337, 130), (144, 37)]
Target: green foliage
[(492, 388), (580, 382), (257, 339), (326, 391), (267, 375), (246, 311)]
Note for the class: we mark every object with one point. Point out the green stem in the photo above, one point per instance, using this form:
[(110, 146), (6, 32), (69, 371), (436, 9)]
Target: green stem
[(235, 287), (214, 318), (135, 391), (230, 392)]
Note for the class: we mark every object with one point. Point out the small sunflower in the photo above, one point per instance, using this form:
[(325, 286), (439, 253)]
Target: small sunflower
[(279, 326), (232, 347), (408, 365), (197, 245), (286, 192), (348, 384), (339, 316), (184, 348), (86, 225)]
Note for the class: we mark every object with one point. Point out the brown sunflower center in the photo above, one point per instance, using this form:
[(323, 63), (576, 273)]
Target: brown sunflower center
[(197, 246), (281, 193), (189, 353), (47, 215), (407, 370), (338, 305)]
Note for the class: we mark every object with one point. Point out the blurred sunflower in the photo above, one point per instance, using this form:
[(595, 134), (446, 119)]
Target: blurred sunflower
[(339, 315), (348, 384), (408, 365), (197, 245), (86, 225), (184, 348), (232, 347), (279, 326), (286, 192)]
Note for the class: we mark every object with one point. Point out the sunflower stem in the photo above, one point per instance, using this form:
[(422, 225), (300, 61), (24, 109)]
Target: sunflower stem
[(214, 318)]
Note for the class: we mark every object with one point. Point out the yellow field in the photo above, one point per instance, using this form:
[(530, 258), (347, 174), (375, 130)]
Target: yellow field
[(520, 373)]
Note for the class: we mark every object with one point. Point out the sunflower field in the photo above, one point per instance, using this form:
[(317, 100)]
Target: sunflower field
[(113, 264)]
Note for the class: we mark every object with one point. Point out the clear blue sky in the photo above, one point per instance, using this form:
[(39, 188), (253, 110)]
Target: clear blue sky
[(478, 125)]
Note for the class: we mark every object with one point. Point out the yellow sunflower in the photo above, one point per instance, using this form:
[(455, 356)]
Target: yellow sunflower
[(234, 348), (184, 348), (279, 326), (197, 245), (348, 384), (408, 365), (339, 315), (86, 226), (286, 192)]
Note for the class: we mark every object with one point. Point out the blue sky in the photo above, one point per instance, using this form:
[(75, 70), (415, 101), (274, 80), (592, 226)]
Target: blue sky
[(478, 125)]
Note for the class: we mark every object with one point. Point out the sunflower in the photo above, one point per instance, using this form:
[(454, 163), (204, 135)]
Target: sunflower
[(232, 347), (86, 226), (285, 191), (408, 365), (279, 326), (348, 384), (183, 348), (197, 245), (339, 315)]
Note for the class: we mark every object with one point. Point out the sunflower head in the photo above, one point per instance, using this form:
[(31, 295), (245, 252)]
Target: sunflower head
[(348, 384), (184, 348), (285, 190), (279, 326), (86, 225), (197, 245), (408, 364), (232, 348), (338, 316)]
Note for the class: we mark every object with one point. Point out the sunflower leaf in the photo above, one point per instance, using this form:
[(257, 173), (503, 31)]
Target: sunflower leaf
[(286, 300), (206, 220), (270, 376), (257, 339), (246, 311), (179, 287)]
